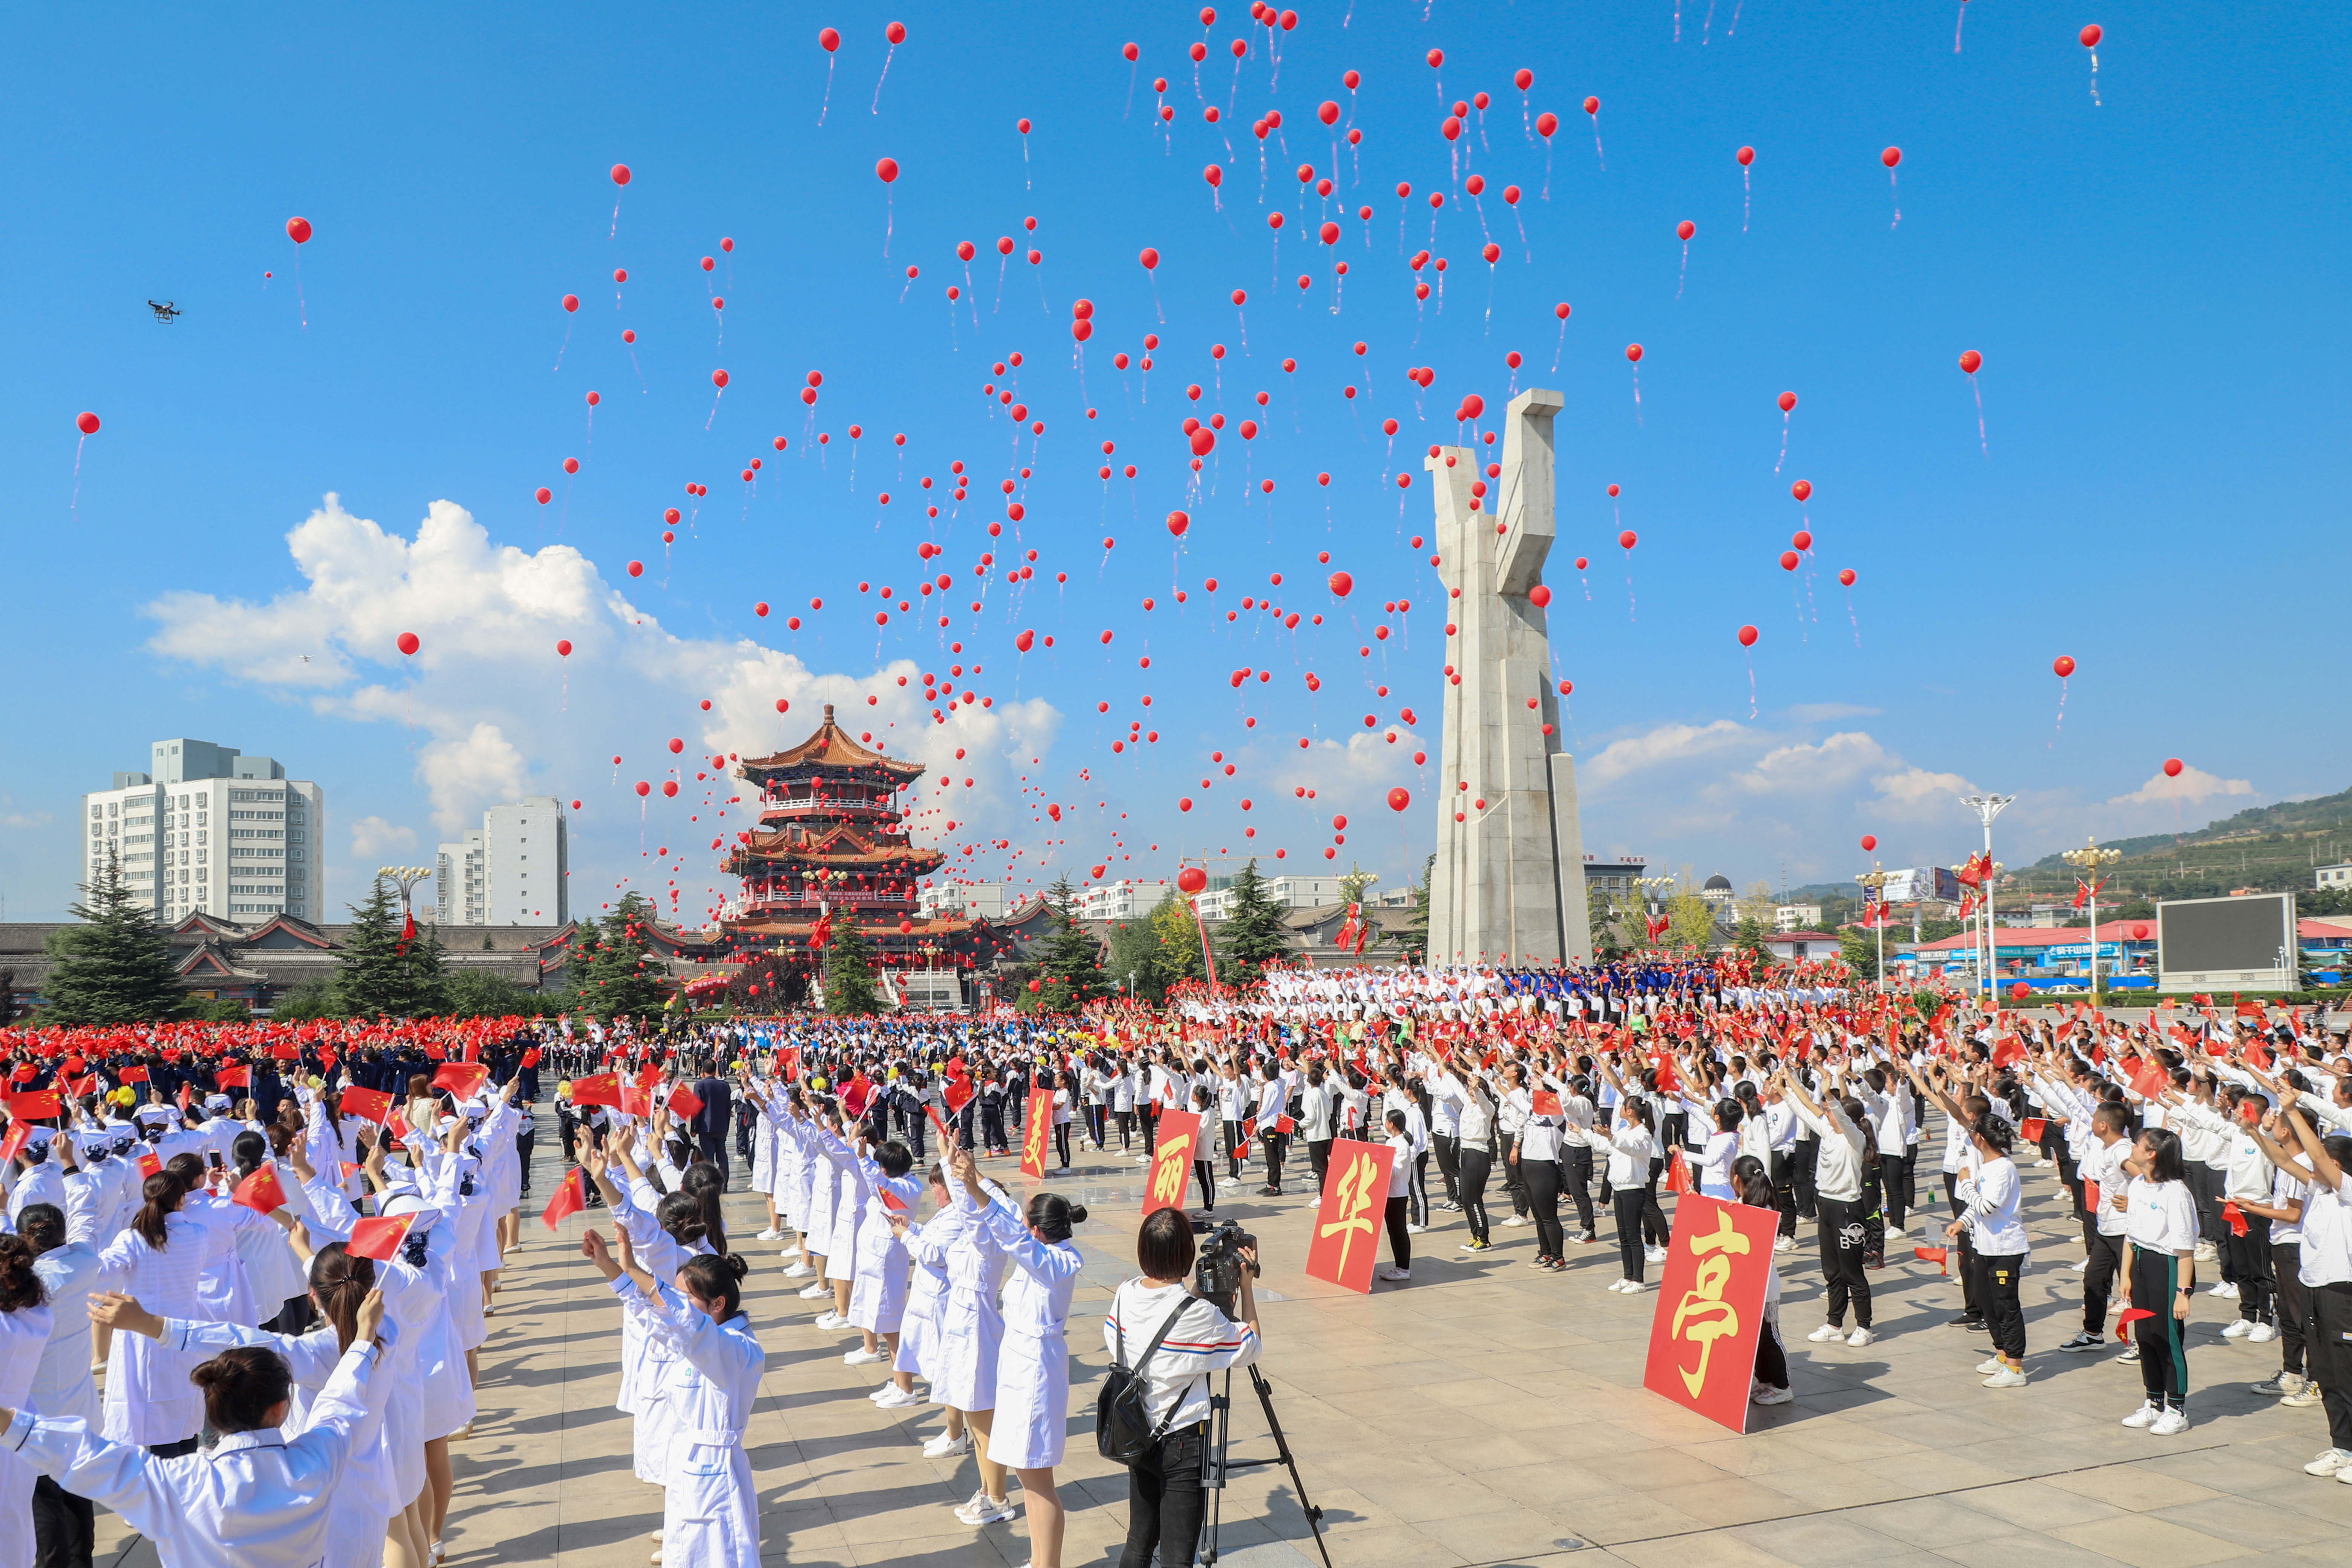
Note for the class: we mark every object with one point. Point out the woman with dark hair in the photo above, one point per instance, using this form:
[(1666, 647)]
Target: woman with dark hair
[(162, 1259), (262, 1498), (62, 1385), (1067, 1092), (1033, 1365), (972, 1329), (1988, 1213), (917, 1354), (2161, 1218), (1837, 1186), (877, 1294), (272, 1269), (711, 1510), (1633, 1187), (25, 1318), (1751, 1179)]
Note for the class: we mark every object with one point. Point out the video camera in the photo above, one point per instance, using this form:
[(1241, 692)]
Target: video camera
[(1217, 1266)]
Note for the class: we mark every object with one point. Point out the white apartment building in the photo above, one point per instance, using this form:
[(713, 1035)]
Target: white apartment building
[(1796, 917), (207, 830), (514, 869), (975, 901), (1125, 900)]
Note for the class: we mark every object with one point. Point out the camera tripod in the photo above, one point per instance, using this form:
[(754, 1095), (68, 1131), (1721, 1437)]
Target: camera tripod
[(1215, 1464)]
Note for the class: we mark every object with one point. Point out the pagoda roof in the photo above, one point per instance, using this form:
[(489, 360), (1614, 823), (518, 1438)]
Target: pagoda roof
[(840, 842), (831, 749), (934, 925)]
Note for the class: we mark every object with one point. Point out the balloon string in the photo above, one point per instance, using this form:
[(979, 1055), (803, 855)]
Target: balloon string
[(2094, 80), (615, 231), (1596, 144), (1751, 685), (73, 508), (1956, 25), (1784, 443), (820, 108), (1896, 194), (1851, 616), (714, 406), (1747, 193), (2060, 727), (1629, 606), (1637, 397), (1702, 27), (1684, 277), (1979, 390), (560, 348), (887, 59), (1558, 347), (890, 223), (1733, 30), (303, 305), (1678, 21)]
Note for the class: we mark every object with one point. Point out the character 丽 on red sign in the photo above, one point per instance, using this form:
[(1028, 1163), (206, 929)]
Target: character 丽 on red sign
[(1711, 1308), (1171, 1161), (1347, 1240), (1036, 1133)]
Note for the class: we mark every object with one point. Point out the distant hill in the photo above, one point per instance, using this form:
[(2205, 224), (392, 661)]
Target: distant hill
[(2272, 848)]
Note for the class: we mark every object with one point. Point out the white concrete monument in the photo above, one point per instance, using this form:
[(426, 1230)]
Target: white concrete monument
[(1508, 884)]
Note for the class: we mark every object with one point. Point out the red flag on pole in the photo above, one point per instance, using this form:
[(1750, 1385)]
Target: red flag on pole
[(378, 1238), (571, 1197), (235, 1077), (464, 1079), (368, 1104), (260, 1192)]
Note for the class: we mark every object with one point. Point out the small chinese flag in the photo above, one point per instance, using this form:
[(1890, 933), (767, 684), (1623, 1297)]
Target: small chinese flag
[(150, 1164), (235, 1077), (2127, 1318), (132, 1075), (1546, 1102), (85, 1084), (464, 1079), (2009, 1051), (958, 1094), (18, 1134), (2091, 1196), (2235, 1216), (367, 1104), (2031, 1130), (1938, 1255), (600, 1088), (260, 1192), (891, 1200), (35, 1103), (571, 1197), (530, 1058), (684, 1101), (378, 1238), (286, 1051), (1678, 1180), (2148, 1079)]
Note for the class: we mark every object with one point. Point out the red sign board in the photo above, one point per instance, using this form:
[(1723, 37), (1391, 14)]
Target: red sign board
[(1347, 1240), (1171, 1161), (1037, 1132), (1711, 1308)]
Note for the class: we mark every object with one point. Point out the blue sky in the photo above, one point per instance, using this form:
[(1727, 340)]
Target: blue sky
[(2155, 284)]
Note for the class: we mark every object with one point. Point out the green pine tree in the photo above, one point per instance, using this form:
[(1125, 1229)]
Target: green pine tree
[(1253, 934), (1069, 961), (617, 977), (1179, 939), (1135, 958), (849, 986), (116, 966), (373, 981)]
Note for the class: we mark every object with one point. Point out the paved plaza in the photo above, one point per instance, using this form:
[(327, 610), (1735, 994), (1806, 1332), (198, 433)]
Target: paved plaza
[(1483, 1414)]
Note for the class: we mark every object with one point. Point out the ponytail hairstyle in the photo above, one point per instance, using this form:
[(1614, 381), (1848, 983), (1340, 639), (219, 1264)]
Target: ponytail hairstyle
[(43, 1224), (1752, 1181), (19, 1286), (1996, 1134), (1051, 1215), (189, 1169), (703, 1184), (242, 1387), (680, 1214), (1636, 1109), (248, 1148), (718, 1280), (162, 1193), (338, 1283)]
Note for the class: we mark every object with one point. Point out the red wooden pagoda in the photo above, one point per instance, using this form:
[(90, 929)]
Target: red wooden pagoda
[(832, 841)]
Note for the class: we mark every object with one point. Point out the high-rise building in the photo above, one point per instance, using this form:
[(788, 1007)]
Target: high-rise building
[(208, 829), (514, 869)]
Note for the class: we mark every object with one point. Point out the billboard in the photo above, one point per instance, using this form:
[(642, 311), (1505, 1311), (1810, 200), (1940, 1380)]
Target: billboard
[(1917, 884), (2244, 944)]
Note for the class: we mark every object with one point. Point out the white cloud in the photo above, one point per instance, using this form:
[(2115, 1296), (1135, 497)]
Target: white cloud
[(373, 838), (2193, 786), (1667, 743), (464, 774), (1920, 793), (1805, 767), (12, 818)]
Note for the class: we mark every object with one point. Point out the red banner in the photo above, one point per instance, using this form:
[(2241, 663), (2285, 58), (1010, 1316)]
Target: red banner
[(1171, 1161), (260, 1192), (1347, 1240), (1711, 1308), (1037, 1132)]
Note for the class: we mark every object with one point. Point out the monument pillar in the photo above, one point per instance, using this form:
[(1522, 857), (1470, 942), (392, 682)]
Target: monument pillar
[(1508, 882)]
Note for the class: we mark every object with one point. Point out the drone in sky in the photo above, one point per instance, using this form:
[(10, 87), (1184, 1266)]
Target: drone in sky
[(166, 312)]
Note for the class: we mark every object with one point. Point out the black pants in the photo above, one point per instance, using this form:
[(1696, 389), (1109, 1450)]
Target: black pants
[(714, 1149), (1809, 1153), (2098, 1280), (2287, 1269), (2205, 1186), (1629, 1228), (1895, 1184), (1234, 1149), (1417, 1192), (1784, 1193), (2250, 1257), (523, 1142), (1203, 1173), (2163, 1358), (1873, 1213), (1515, 1182), (1843, 1237), (1400, 1241), (1319, 1155), (1998, 1275), (1971, 1299), (991, 1128), (1576, 1166), (2330, 1351), (1164, 1501), (1449, 1163), (1062, 1143), (1771, 1360), (1149, 1114), (1474, 1165), (1273, 1142), (1126, 1130), (62, 1526)]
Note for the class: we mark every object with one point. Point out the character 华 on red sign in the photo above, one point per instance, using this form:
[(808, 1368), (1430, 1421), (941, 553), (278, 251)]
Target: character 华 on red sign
[(1347, 1241)]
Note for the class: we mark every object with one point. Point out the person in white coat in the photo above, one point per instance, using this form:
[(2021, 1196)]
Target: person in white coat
[(161, 1260), (25, 1318), (877, 1299), (926, 1244), (972, 1329), (710, 1510), (259, 1499), (68, 1267)]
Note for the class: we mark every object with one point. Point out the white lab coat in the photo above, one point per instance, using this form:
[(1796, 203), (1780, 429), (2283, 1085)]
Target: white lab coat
[(23, 1333), (711, 1510), (149, 1399), (1033, 1368), (972, 1326)]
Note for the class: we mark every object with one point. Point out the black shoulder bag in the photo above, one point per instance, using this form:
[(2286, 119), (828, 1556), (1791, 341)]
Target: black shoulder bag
[(1124, 1433)]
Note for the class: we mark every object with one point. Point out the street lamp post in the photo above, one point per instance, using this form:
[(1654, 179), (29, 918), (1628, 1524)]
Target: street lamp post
[(403, 877), (2088, 862), (1875, 882), (1987, 808)]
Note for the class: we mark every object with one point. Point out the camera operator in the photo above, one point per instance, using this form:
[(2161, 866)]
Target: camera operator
[(1165, 1498)]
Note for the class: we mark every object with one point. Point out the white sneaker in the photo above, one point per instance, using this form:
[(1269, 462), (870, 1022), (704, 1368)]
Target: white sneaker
[(2080, 1264), (1769, 1395), (2146, 1416), (1619, 1284), (2261, 1334), (2222, 1287), (772, 1234), (2330, 1462), (791, 1251), (811, 1292), (830, 1320), (947, 1445), (1519, 1220), (1390, 1271), (1412, 1230), (2238, 1330), (2170, 1423), (1635, 1286), (1860, 1336), (1143, 1159), (799, 1271), (2007, 1378), (1894, 1230), (1990, 1364), (988, 1510), (1825, 1333), (1653, 1255), (2203, 1252), (1786, 1244), (1229, 1181), (894, 1397), (876, 1392), (865, 1358)]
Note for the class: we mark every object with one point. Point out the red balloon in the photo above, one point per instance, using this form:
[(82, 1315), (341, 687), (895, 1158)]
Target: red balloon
[(1802, 489), (1970, 360), (1891, 157), (1025, 641), (643, 789), (669, 787), (896, 32), (2139, 931), (1214, 174), (636, 568), (620, 173), (1788, 401), (1869, 842), (1634, 353), (718, 378), (1591, 106), (575, 806), (2172, 767), (2090, 37), (86, 423), (1746, 155), (886, 169), (544, 495), (1399, 798), (828, 39), (1177, 521), (1845, 578), (1580, 564), (1150, 258), (2063, 665), (1801, 539), (1628, 539), (1342, 584), (1540, 595), (571, 301), (1546, 124), (408, 643), (1789, 559), (297, 229), (1191, 878), (1747, 637), (563, 648), (1685, 229)]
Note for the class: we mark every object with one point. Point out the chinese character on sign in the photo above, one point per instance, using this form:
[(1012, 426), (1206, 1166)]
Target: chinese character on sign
[(1703, 1316), (1355, 1198), (1171, 1161), (1710, 1308)]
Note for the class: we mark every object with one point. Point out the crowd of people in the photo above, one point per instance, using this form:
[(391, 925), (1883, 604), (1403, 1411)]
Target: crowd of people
[(203, 1277)]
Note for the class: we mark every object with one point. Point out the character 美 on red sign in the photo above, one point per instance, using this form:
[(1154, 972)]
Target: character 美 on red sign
[(1036, 1132), (1171, 1161), (1347, 1241), (1711, 1309)]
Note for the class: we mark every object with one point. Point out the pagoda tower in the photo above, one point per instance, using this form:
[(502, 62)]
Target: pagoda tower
[(832, 839)]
